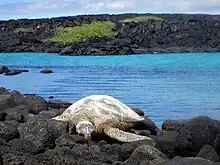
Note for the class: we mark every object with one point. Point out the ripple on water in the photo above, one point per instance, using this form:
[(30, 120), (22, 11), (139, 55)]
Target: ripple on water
[(164, 86)]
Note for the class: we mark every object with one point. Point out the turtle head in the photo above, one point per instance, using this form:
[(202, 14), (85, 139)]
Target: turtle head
[(85, 128)]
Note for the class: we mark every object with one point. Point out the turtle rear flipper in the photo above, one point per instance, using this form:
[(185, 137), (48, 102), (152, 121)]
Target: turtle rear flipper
[(122, 136)]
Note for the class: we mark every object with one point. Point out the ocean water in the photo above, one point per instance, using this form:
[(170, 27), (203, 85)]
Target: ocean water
[(165, 86)]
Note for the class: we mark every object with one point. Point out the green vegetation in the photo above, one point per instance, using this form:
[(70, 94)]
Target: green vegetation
[(143, 19), (80, 33), (24, 30)]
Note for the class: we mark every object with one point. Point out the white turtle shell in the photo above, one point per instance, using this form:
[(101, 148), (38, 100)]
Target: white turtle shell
[(97, 104)]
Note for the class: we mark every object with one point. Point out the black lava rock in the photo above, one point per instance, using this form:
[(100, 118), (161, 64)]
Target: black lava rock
[(46, 71), (36, 104), (194, 134), (8, 131)]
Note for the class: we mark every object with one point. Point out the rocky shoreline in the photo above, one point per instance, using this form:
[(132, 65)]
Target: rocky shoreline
[(28, 136), (177, 33)]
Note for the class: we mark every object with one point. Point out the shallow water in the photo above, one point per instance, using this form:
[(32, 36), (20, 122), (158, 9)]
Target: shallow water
[(168, 86)]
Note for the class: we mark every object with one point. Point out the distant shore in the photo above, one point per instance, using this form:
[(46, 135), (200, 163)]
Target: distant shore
[(122, 34)]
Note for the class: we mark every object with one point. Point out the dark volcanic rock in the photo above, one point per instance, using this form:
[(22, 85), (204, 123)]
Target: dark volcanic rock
[(189, 161), (147, 124), (36, 104), (8, 131), (10, 100), (208, 152), (23, 145), (174, 33), (13, 72), (171, 125), (166, 143), (42, 133), (3, 91), (18, 113), (146, 155), (128, 148), (4, 69), (70, 140), (217, 144), (47, 114), (46, 71), (58, 104), (194, 134)]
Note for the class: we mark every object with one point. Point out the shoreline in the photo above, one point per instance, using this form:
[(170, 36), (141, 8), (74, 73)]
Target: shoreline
[(29, 136), (174, 33)]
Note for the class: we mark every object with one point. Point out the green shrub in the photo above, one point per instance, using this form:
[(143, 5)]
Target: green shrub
[(142, 19), (80, 33), (24, 30)]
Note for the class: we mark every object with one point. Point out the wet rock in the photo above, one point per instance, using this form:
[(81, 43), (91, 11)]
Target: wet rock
[(194, 134), (146, 155), (10, 100), (8, 131), (128, 148), (42, 133), (70, 140), (4, 69), (36, 104), (13, 72), (138, 111), (188, 161), (171, 125), (208, 152), (51, 97), (18, 113), (23, 145), (58, 104), (46, 71)]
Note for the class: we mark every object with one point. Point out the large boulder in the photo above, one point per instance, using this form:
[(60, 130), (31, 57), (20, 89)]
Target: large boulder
[(42, 133), (8, 131), (11, 100), (194, 134), (147, 124), (46, 71), (13, 72), (4, 69), (18, 113), (36, 104), (189, 161), (171, 125), (166, 142), (3, 91), (128, 148), (146, 155), (208, 152)]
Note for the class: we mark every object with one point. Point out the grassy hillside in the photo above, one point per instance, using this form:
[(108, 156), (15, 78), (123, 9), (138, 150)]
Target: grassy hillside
[(75, 34), (24, 30)]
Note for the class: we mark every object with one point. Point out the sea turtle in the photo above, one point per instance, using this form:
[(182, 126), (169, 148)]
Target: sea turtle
[(102, 114)]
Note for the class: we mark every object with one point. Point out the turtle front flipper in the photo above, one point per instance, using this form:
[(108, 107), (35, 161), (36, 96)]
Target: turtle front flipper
[(122, 136)]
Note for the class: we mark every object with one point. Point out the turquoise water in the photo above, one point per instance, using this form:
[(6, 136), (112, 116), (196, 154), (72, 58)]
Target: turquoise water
[(168, 86)]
